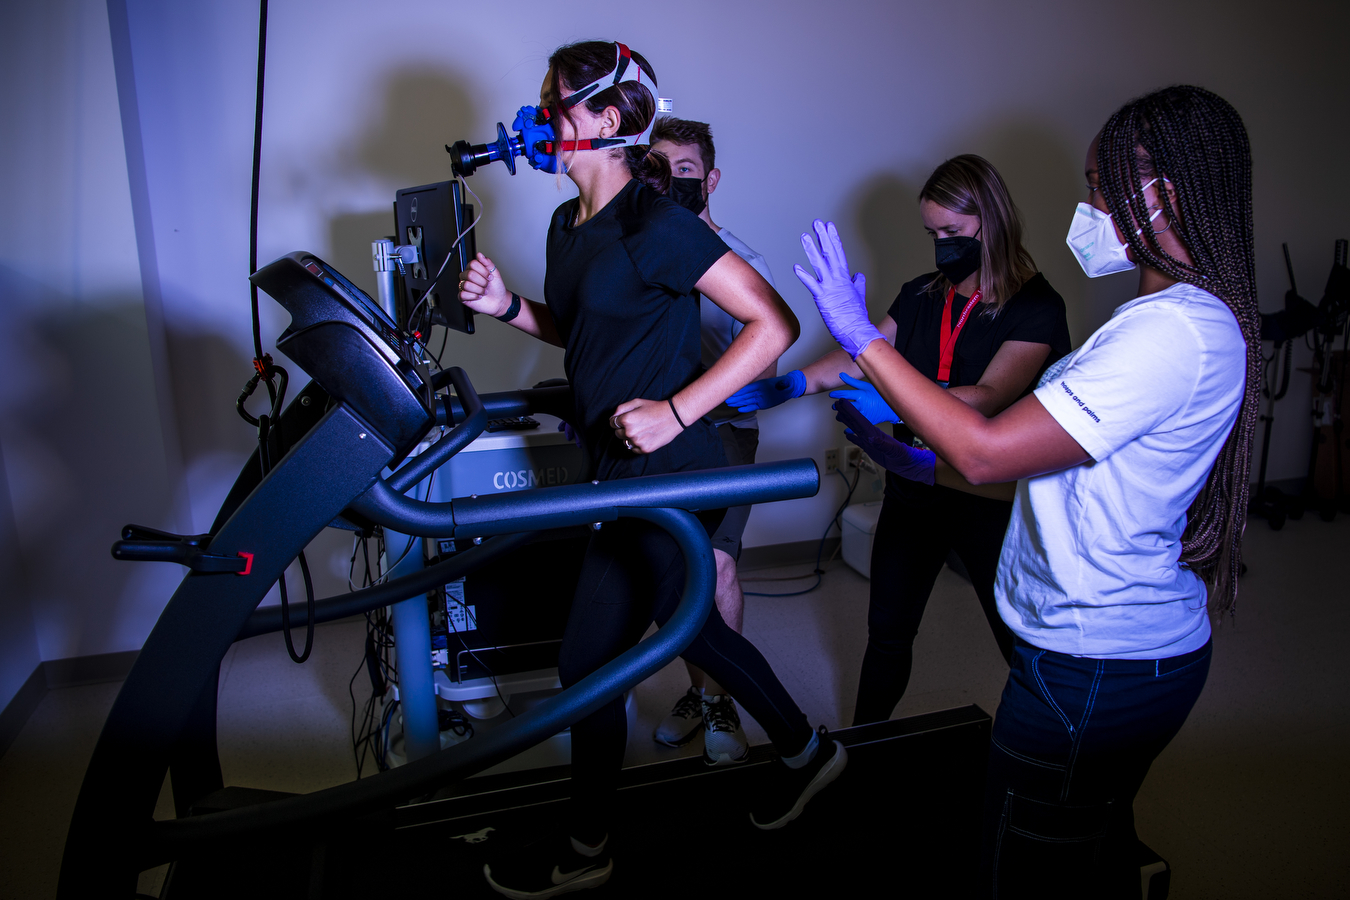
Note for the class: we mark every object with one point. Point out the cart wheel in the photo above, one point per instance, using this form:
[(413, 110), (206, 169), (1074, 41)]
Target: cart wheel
[(1327, 510), (1276, 519)]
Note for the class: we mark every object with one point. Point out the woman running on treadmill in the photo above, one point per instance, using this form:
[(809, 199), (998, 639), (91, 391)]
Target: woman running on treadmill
[(983, 326), (623, 264)]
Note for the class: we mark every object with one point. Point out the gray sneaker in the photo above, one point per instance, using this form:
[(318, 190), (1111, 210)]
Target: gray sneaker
[(678, 728), (724, 742)]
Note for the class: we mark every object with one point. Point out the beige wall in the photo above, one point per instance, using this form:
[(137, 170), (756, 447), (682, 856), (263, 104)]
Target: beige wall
[(835, 110)]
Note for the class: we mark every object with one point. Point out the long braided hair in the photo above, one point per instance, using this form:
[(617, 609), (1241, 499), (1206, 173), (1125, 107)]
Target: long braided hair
[(1195, 140)]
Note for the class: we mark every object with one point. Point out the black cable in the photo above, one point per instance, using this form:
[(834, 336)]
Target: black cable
[(257, 172), (450, 624), (445, 333), (309, 612), (820, 547)]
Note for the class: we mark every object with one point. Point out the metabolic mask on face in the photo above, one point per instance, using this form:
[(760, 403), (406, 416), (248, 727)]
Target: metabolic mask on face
[(688, 192), (1092, 238), (957, 257)]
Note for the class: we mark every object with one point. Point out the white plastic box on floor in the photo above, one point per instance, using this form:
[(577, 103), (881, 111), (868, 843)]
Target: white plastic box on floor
[(859, 525)]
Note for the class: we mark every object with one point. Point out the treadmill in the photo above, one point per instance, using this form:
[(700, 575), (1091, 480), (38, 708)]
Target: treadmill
[(908, 804)]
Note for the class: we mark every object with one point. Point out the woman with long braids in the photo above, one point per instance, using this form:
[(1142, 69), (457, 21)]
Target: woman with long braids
[(623, 264), (1132, 459)]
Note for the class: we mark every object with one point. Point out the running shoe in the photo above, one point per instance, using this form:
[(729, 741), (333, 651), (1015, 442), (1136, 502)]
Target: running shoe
[(549, 867), (678, 728), (724, 741), (788, 793)]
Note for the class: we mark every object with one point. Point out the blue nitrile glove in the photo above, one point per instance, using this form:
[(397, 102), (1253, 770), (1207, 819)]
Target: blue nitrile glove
[(867, 400), (768, 392), (571, 434), (902, 459), (841, 298)]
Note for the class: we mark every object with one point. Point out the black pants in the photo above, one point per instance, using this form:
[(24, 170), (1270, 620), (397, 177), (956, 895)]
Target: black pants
[(913, 537), (633, 573)]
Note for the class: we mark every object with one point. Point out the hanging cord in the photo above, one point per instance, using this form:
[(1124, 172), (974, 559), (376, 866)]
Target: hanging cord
[(820, 547), (265, 371)]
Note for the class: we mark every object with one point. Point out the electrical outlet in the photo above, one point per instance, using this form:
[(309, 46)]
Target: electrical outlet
[(831, 461), (854, 456)]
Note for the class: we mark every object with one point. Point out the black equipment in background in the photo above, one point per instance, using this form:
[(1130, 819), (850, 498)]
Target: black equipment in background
[(431, 217), (515, 619), (1295, 320), (1326, 487)]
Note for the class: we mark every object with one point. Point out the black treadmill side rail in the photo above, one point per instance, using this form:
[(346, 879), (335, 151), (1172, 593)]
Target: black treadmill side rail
[(106, 844)]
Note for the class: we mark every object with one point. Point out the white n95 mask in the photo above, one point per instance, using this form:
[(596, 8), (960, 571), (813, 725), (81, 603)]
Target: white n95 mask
[(1092, 238)]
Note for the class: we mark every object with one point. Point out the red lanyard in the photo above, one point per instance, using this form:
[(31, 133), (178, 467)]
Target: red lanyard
[(947, 340)]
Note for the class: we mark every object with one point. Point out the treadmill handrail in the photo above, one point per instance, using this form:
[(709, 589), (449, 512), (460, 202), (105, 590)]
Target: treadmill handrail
[(172, 837), (267, 619), (555, 400), (450, 443), (578, 504)]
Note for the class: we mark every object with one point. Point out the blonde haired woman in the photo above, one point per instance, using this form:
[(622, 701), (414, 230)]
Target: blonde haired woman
[(985, 325)]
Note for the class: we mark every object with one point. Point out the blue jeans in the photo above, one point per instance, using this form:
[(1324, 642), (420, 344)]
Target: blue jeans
[(1072, 742)]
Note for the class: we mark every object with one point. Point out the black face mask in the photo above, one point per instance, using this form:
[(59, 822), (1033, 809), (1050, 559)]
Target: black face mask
[(957, 257), (688, 192)]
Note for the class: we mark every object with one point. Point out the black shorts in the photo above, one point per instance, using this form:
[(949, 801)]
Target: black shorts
[(740, 445)]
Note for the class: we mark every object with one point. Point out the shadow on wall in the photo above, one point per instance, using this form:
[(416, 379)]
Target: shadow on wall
[(1044, 174), (84, 454), (887, 217), (423, 109)]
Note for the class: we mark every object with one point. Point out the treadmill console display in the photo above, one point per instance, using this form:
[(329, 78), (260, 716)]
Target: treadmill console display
[(350, 346)]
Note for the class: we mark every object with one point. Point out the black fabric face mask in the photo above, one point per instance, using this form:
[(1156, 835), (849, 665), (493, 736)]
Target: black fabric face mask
[(688, 192), (957, 257)]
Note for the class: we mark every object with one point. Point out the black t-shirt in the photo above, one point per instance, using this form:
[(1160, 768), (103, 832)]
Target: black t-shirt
[(620, 288), (1034, 314)]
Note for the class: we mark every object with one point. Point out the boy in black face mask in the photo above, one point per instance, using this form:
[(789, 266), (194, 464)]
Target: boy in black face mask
[(689, 147)]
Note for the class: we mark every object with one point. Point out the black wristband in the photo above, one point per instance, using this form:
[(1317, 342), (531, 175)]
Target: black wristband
[(674, 412), (511, 311)]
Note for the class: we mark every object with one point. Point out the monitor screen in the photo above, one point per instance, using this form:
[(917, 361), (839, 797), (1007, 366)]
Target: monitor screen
[(430, 217)]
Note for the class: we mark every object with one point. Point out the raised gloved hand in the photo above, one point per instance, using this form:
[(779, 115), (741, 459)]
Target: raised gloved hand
[(768, 392), (867, 400), (893, 456), (841, 298)]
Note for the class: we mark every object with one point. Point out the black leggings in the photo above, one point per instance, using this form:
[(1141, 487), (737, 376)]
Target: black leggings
[(633, 573), (912, 540)]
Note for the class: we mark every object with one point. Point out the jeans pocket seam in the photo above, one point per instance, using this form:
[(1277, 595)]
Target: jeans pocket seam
[(1045, 692), (1026, 759), (1194, 662)]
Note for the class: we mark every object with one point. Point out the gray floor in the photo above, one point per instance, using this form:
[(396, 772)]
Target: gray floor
[(1248, 801)]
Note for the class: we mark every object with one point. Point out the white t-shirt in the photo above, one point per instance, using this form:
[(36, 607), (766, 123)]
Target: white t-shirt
[(1090, 561), (718, 329)]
